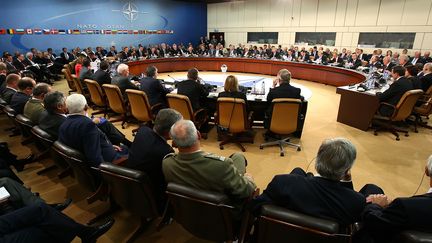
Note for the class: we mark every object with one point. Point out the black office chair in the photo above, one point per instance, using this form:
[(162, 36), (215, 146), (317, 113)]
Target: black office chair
[(204, 214), (411, 236), (88, 177), (130, 190), (277, 224)]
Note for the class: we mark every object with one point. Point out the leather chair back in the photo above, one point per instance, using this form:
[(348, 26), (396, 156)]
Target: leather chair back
[(204, 214), (411, 236), (86, 176), (277, 224), (115, 98), (285, 115), (130, 189), (11, 113), (96, 94), (3, 104), (68, 68), (46, 141), (425, 109), (181, 103), (139, 105), (406, 104), (77, 84), (231, 114), (68, 77), (25, 125)]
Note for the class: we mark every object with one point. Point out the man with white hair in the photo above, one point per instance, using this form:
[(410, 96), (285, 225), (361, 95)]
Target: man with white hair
[(417, 58), (384, 218), (195, 168), (403, 60), (79, 132), (123, 81), (328, 195), (426, 79)]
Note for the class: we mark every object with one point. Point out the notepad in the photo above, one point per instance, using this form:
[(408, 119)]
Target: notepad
[(4, 194)]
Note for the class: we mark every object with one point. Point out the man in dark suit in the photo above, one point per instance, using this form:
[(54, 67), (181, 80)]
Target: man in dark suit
[(384, 218), (112, 52), (417, 58), (149, 149), (9, 64), (374, 62), (96, 146), (426, 79), (10, 88), (193, 89), (281, 89), (396, 90), (153, 87), (20, 98), (354, 62), (18, 63), (329, 195), (101, 75), (85, 72), (66, 56), (3, 73), (427, 58), (336, 60), (387, 64), (122, 80), (42, 223)]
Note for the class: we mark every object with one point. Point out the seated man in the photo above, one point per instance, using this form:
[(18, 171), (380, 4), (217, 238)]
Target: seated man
[(150, 147), (81, 133), (153, 87), (195, 168), (395, 92), (384, 218), (20, 98), (193, 89), (329, 195), (281, 89), (11, 87), (86, 72), (34, 107), (55, 114), (41, 223), (122, 80), (101, 75)]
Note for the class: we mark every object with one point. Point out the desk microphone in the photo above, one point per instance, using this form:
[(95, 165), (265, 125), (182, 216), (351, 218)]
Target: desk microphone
[(175, 80)]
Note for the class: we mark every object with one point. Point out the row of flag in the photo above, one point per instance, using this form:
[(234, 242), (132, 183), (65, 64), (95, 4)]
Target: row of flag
[(80, 32)]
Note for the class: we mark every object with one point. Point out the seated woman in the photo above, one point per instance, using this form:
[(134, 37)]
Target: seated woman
[(231, 89)]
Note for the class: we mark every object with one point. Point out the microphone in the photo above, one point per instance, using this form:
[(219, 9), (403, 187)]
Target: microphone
[(175, 80)]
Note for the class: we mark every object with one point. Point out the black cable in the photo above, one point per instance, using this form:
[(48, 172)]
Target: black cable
[(421, 182)]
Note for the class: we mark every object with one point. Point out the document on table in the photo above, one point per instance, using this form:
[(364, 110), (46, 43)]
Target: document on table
[(4, 194)]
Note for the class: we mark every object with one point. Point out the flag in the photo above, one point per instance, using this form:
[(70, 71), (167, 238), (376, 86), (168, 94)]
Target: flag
[(130, 32), (2, 31), (135, 32), (46, 31), (140, 32), (89, 31), (29, 31), (96, 32), (20, 31), (83, 32), (10, 31), (69, 32), (76, 32), (107, 32), (37, 31), (54, 32), (62, 32), (113, 32)]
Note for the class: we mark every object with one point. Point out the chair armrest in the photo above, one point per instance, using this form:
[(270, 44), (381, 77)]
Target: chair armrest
[(120, 161), (199, 112), (249, 118), (389, 105), (156, 107)]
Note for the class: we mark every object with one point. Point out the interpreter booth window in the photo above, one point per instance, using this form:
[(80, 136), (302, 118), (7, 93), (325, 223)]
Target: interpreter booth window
[(387, 40), (262, 37), (315, 38)]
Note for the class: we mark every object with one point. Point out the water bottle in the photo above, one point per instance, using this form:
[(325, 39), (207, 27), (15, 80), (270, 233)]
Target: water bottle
[(253, 88), (263, 87)]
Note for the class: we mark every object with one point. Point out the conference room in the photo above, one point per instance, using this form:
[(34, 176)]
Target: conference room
[(215, 121)]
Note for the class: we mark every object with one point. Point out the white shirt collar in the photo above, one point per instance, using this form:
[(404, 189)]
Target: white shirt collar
[(12, 88), (430, 190)]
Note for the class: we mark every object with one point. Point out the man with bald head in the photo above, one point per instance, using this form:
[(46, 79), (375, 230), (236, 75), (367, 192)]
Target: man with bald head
[(193, 89), (195, 168)]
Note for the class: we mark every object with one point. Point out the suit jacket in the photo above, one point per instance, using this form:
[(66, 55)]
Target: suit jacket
[(66, 60), (111, 54), (85, 73), (11, 68), (123, 83), (33, 110), (393, 94), (426, 81), (51, 123), (413, 213), (338, 60), (195, 91), (102, 77), (285, 90), (19, 65), (357, 63), (154, 89), (7, 94), (146, 154), (315, 196), (389, 66), (18, 102), (96, 146)]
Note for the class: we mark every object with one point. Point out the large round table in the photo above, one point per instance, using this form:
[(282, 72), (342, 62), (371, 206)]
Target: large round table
[(312, 72)]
